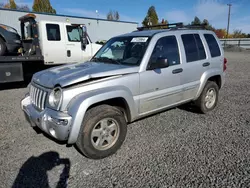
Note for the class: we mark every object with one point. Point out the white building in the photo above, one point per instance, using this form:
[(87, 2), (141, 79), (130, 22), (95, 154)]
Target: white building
[(98, 29)]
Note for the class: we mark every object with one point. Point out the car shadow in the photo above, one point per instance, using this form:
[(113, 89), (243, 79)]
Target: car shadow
[(33, 172), (189, 107)]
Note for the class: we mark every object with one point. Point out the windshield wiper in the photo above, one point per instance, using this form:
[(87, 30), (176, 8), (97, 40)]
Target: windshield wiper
[(105, 60)]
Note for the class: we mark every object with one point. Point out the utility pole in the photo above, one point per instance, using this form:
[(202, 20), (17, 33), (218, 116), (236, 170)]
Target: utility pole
[(229, 14)]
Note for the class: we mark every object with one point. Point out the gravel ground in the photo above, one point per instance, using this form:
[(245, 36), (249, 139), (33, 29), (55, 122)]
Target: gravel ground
[(176, 148)]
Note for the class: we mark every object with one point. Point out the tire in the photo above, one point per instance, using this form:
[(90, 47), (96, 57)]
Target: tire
[(2, 47), (202, 103), (95, 119)]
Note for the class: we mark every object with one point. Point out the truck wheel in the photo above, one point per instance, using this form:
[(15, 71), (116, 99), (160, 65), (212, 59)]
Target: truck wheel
[(208, 98), (2, 47), (103, 131)]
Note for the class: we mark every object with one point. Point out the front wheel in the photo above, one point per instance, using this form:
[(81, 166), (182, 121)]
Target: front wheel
[(208, 98), (102, 133)]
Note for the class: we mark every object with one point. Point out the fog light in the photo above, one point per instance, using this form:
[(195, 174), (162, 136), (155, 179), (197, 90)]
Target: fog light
[(63, 122)]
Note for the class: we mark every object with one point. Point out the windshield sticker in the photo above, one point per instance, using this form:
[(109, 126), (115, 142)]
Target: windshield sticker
[(139, 39)]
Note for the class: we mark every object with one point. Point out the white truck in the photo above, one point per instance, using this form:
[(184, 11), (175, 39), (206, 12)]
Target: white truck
[(46, 43)]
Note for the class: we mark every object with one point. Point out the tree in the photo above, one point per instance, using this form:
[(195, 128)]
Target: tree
[(196, 21), (43, 6), (237, 33), (163, 22), (208, 26), (151, 17), (13, 4), (113, 15), (10, 5), (221, 33), (117, 16)]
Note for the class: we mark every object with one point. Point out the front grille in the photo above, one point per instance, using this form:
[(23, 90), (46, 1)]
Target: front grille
[(38, 97)]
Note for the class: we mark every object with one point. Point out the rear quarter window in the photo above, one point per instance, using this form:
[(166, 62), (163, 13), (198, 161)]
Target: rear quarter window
[(213, 45)]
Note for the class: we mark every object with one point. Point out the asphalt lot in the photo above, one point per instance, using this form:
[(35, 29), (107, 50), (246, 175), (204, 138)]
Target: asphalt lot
[(176, 148)]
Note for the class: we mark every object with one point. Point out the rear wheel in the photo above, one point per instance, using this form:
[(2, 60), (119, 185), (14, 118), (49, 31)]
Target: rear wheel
[(208, 98), (2, 47), (102, 133)]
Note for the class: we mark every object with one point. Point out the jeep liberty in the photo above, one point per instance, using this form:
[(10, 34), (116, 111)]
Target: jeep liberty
[(132, 76)]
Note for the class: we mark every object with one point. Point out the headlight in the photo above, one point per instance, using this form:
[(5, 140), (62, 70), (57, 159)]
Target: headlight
[(55, 98)]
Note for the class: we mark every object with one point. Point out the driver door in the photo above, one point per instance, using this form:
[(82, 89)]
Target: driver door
[(161, 87)]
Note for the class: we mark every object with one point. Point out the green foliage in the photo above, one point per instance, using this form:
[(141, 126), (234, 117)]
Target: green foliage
[(113, 15), (208, 26), (12, 4), (43, 6), (196, 21), (151, 17)]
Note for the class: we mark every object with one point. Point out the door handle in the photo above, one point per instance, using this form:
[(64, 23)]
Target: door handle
[(206, 64), (68, 53), (176, 71)]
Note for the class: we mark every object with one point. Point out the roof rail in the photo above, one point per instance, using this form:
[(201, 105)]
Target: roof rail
[(202, 26), (161, 26), (173, 26)]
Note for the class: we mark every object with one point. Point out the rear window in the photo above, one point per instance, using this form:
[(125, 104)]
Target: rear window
[(213, 45), (194, 48)]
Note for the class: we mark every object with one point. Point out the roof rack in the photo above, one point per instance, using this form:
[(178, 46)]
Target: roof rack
[(173, 26), (162, 26)]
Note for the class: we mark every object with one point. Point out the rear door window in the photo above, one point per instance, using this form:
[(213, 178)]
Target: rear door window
[(194, 48), (200, 47), (213, 45)]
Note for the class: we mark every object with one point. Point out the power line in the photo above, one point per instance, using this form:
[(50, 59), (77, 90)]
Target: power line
[(229, 14)]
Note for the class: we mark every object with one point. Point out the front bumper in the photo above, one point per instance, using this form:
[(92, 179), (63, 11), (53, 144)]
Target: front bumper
[(54, 123)]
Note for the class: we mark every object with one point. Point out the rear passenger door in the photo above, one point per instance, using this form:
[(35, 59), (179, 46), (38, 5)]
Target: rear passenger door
[(160, 87), (195, 64)]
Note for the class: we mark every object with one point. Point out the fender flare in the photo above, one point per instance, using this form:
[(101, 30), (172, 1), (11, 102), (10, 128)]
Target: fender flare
[(205, 77), (79, 105)]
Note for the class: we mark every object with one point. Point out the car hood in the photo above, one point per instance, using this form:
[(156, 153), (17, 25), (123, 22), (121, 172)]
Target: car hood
[(74, 73)]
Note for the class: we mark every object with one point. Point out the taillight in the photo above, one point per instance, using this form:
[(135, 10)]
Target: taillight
[(225, 64)]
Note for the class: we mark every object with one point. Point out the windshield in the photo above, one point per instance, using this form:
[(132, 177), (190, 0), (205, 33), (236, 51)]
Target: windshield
[(123, 50)]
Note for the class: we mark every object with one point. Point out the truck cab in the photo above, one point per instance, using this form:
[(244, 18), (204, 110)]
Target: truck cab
[(57, 42)]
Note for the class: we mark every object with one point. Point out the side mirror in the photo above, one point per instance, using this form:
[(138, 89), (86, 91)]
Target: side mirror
[(83, 35), (159, 64)]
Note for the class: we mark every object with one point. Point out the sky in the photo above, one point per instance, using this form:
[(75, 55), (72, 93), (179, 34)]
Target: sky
[(215, 11)]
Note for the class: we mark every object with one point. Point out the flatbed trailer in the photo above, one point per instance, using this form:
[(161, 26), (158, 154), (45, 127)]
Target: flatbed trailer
[(17, 68)]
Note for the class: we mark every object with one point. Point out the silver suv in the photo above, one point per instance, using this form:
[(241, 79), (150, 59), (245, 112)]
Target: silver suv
[(132, 76)]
